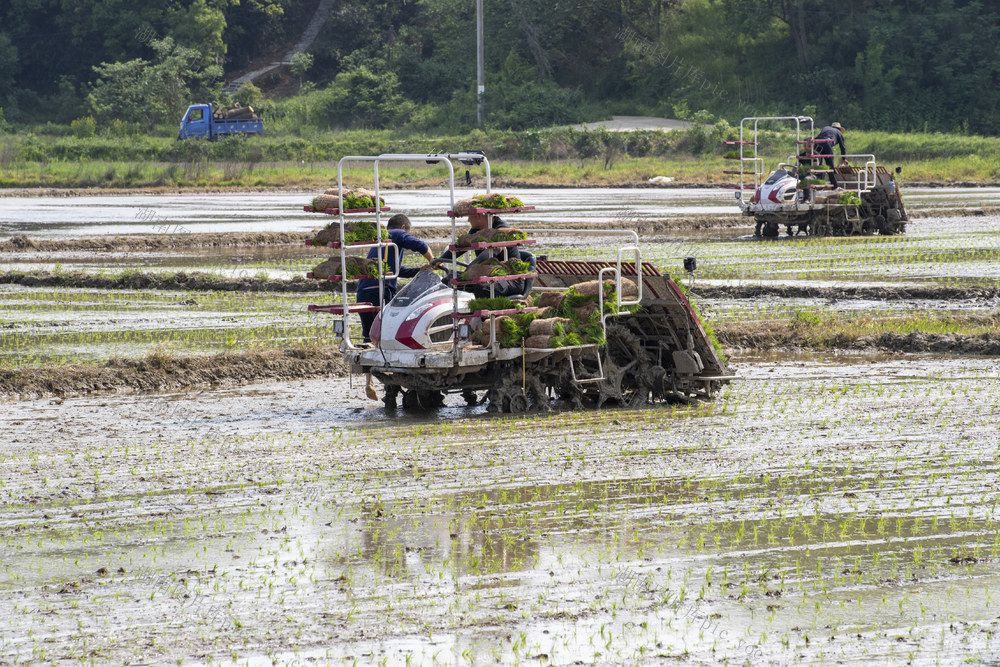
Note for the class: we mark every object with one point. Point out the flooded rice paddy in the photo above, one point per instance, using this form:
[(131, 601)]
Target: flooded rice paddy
[(841, 510), (829, 507), (100, 215)]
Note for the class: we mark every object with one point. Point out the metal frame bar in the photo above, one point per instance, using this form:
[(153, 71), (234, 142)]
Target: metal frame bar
[(756, 159), (870, 168), (394, 157), (448, 159)]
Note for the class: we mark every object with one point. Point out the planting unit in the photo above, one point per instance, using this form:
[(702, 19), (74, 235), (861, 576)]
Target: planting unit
[(641, 340), (799, 195)]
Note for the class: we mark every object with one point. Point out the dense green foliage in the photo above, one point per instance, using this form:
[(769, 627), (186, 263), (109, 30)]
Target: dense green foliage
[(891, 65)]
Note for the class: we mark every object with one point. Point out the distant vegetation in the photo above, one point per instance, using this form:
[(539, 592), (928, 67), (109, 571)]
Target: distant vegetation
[(410, 65), (60, 156)]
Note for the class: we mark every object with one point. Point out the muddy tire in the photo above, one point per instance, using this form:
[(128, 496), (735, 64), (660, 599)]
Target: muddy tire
[(820, 226), (841, 225), (391, 394), (516, 403), (517, 390), (416, 400), (882, 226)]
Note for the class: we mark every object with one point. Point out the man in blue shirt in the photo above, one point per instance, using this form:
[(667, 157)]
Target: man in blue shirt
[(830, 135), (368, 290)]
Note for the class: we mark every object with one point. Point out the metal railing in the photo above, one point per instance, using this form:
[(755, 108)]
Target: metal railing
[(801, 122), (376, 160), (869, 170)]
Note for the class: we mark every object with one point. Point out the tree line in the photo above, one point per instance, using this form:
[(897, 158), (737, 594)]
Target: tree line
[(893, 65)]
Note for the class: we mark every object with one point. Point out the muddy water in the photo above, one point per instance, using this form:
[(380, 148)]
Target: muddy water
[(55, 217), (77, 217), (821, 510)]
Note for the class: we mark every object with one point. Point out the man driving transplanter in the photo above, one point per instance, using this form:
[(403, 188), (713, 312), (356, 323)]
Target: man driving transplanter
[(368, 291)]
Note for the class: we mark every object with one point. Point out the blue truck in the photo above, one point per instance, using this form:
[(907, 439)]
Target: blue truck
[(199, 122)]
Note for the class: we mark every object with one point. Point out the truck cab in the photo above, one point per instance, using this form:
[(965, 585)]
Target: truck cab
[(196, 122)]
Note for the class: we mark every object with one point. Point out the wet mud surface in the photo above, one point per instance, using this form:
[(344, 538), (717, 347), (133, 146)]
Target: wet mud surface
[(159, 372), (182, 280), (853, 292), (781, 335), (190, 219), (151, 242), (837, 504), (820, 511)]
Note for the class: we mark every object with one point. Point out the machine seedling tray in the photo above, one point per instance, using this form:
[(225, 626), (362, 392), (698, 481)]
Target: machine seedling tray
[(336, 244), (512, 209), (336, 211), (338, 308), (487, 313), (489, 244), (490, 279)]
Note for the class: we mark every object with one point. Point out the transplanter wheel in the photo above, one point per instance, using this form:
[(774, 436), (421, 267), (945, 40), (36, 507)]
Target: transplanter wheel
[(410, 400), (517, 402), (391, 393), (625, 363), (421, 401), (881, 226)]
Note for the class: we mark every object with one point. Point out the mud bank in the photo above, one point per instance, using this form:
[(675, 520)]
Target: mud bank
[(182, 280), (171, 242), (955, 212), (772, 335), (162, 372), (141, 190), (841, 293), (152, 242), (655, 226)]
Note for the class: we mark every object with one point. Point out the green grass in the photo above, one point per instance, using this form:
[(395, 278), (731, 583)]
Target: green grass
[(61, 326), (557, 156), (819, 329)]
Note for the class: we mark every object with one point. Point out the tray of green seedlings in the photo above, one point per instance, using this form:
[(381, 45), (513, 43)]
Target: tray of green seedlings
[(491, 238), (492, 271), (355, 201), (355, 233), (558, 320), (495, 203), (813, 183), (500, 305), (339, 308)]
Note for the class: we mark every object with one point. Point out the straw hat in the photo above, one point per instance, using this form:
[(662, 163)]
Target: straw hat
[(837, 126)]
